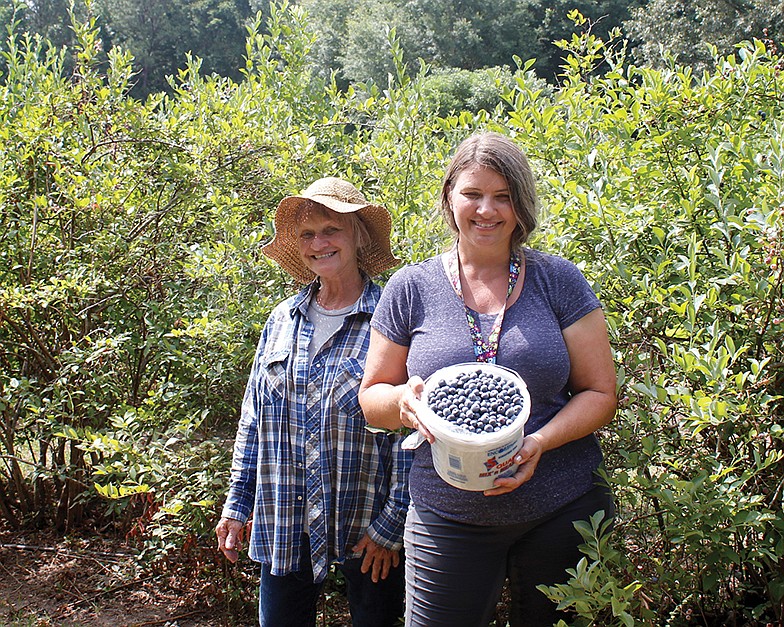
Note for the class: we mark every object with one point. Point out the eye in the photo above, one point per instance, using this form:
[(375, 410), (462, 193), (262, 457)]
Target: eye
[(331, 230), (306, 236)]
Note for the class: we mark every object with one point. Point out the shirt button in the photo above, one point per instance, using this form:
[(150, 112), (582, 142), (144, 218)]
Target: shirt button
[(299, 498)]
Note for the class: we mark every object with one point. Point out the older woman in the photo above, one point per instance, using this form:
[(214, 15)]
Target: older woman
[(321, 487), (492, 299)]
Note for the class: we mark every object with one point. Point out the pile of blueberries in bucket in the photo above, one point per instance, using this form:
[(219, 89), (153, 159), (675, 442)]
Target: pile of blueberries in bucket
[(476, 401)]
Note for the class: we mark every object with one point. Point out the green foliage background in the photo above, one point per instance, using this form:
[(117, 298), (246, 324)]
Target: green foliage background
[(133, 290)]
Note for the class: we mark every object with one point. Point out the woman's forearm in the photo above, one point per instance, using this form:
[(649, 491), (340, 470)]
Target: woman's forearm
[(381, 404), (383, 386), (582, 415)]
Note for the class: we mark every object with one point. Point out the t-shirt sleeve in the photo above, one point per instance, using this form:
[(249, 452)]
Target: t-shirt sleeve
[(392, 317), (571, 296)]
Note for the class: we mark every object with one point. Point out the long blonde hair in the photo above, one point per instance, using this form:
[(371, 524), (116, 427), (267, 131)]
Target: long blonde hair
[(502, 155)]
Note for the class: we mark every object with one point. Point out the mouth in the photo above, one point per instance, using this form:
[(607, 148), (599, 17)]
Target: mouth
[(324, 256), (486, 225)]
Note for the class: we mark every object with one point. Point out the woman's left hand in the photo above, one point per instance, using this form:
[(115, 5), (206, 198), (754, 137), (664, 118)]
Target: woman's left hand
[(377, 559), (528, 458)]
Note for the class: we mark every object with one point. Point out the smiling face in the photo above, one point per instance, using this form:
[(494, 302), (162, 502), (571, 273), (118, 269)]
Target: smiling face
[(502, 156), (482, 208), (327, 244)]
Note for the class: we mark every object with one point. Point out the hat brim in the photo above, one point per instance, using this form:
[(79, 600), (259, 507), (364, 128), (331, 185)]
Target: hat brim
[(373, 259)]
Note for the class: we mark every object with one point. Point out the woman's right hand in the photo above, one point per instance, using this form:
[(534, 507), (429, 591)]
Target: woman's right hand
[(231, 534), (410, 399)]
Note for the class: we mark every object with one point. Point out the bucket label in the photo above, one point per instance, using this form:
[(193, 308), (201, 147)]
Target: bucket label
[(491, 463), (457, 477), (496, 469), (455, 462), (503, 450)]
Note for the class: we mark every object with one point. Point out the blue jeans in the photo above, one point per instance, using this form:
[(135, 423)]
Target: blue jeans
[(455, 572), (290, 600)]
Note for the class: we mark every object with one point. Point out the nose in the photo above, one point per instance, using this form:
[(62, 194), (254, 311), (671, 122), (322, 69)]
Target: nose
[(319, 240), (486, 206)]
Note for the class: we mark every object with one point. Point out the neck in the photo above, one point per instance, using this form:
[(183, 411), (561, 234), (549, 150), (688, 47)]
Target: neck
[(483, 261), (484, 279), (336, 293)]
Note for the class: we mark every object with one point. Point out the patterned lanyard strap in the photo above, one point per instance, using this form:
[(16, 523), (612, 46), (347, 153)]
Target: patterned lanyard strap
[(484, 351)]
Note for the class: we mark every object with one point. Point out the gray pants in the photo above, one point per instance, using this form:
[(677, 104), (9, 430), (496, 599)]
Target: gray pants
[(455, 572)]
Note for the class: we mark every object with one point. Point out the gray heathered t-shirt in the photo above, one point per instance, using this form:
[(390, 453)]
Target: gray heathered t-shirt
[(420, 310)]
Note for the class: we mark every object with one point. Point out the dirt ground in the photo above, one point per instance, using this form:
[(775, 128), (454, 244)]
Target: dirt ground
[(47, 580), (50, 581)]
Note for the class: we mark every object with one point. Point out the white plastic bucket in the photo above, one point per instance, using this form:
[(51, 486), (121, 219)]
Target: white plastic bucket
[(472, 461)]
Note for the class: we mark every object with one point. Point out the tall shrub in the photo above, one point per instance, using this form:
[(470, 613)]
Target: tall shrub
[(666, 188)]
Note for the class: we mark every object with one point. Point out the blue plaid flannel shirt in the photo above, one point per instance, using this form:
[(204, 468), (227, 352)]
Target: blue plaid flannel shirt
[(302, 437)]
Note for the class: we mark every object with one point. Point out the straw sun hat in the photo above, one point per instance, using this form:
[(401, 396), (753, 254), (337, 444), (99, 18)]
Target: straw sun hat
[(341, 197)]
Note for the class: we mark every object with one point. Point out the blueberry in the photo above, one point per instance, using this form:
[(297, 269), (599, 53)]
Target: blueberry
[(477, 401)]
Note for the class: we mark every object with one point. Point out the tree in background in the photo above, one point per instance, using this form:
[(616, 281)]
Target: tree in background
[(351, 38), (49, 18), (9, 20), (472, 35), (462, 34), (218, 34), (331, 18), (151, 30), (161, 35), (539, 24), (365, 52), (682, 29)]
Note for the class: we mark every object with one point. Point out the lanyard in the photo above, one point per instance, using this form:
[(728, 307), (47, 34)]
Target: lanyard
[(484, 351)]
